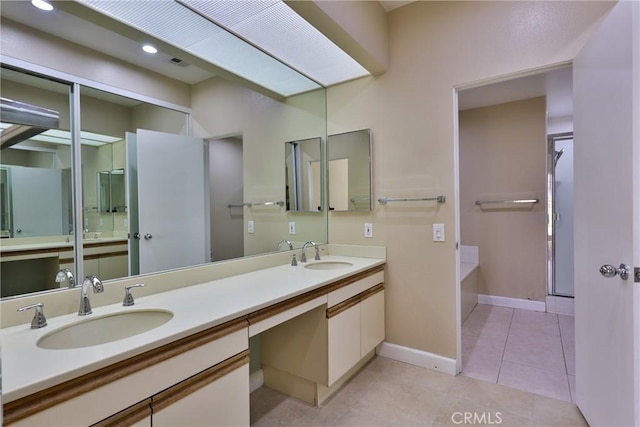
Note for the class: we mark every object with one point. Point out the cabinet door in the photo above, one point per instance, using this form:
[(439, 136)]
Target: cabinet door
[(372, 322), (113, 267), (344, 341), (223, 402), (138, 415)]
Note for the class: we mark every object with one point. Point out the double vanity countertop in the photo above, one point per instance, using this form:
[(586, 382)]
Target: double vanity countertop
[(28, 368)]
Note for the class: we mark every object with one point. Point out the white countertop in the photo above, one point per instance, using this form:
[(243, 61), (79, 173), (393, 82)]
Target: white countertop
[(27, 368)]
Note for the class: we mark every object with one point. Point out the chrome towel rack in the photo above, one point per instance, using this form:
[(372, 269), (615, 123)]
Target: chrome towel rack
[(385, 200), (507, 202), (251, 204)]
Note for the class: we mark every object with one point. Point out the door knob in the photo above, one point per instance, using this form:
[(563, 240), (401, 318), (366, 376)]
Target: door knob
[(608, 270), (148, 236), (136, 236)]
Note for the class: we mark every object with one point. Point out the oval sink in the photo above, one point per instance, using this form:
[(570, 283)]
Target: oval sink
[(328, 265), (104, 329)]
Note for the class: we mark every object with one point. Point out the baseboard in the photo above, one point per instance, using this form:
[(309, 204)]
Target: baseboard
[(256, 380), (417, 357), (524, 304), (560, 305)]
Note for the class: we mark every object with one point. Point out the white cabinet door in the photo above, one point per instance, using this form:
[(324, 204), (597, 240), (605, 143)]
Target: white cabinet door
[(344, 342), (606, 81), (224, 402), (371, 322)]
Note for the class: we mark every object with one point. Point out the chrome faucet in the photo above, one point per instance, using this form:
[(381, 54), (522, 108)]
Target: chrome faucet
[(96, 284), (288, 242), (39, 321), (66, 274), (303, 258)]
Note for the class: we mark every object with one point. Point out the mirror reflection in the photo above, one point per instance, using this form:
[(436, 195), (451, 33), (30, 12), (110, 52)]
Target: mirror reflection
[(36, 181), (108, 217), (304, 174), (349, 171)]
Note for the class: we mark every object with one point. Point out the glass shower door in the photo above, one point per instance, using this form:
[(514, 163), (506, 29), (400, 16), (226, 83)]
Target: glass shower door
[(561, 213)]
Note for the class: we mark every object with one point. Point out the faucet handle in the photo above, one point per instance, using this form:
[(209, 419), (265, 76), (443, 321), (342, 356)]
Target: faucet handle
[(317, 257), (39, 321), (294, 261), (128, 297)]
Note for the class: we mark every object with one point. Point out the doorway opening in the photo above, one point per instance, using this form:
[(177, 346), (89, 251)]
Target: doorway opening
[(510, 334)]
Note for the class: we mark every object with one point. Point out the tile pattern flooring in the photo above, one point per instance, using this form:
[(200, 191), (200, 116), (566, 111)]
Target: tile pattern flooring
[(390, 393), (528, 350)]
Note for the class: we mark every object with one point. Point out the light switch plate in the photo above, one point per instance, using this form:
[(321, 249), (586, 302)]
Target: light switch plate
[(292, 227), (438, 232), (368, 230), (250, 227)]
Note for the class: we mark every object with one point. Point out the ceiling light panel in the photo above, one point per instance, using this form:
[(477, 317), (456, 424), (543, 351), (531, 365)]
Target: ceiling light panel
[(278, 30), (186, 30)]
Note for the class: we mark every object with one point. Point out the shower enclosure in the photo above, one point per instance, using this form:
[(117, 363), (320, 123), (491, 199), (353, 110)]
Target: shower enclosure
[(560, 214)]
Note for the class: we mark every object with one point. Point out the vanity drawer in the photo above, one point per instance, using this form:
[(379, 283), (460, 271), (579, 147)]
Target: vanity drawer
[(131, 380), (339, 294)]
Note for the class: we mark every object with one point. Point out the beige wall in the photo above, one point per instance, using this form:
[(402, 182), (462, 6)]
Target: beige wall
[(434, 48), (502, 157), (221, 108)]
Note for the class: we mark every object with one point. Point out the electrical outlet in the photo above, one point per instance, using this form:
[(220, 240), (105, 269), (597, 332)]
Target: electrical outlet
[(250, 227), (368, 230), (292, 227), (438, 232)]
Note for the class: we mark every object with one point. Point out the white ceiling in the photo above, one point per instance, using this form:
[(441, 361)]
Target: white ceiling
[(556, 85)]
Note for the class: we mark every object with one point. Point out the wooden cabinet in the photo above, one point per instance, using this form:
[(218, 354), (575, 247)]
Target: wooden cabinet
[(311, 355), (343, 341), (216, 398), (208, 370), (371, 320)]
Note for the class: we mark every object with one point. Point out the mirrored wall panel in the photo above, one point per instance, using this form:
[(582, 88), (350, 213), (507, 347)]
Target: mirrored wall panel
[(36, 176), (349, 171)]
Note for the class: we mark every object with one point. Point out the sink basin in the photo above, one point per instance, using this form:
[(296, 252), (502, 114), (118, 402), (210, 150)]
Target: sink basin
[(328, 265), (104, 329)]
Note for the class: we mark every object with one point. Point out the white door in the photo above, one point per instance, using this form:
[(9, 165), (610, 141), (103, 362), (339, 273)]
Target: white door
[(607, 220), (172, 226)]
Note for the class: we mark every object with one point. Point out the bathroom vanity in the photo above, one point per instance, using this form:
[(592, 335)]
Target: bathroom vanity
[(319, 323)]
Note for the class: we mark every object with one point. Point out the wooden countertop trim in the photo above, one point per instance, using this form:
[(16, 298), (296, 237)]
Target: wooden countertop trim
[(185, 388), (129, 416), (285, 305), (39, 401), (349, 280), (8, 253), (348, 303), (96, 256)]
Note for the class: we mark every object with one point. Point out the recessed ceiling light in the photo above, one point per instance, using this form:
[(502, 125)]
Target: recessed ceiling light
[(149, 48), (41, 4)]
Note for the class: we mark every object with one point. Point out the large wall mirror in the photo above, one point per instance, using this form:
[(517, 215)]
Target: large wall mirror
[(349, 171), (38, 169)]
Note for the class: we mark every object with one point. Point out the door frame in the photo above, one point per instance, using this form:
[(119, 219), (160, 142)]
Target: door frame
[(456, 182)]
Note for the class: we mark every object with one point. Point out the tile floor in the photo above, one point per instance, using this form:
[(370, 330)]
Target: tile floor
[(390, 393), (528, 350)]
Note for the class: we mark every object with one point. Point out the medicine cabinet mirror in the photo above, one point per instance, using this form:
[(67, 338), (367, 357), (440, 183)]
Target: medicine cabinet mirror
[(304, 175), (349, 171)]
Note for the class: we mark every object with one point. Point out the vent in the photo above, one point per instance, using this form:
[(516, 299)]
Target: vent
[(179, 62)]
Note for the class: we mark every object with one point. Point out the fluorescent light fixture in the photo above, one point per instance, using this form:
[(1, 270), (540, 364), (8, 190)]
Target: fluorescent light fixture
[(43, 5), (264, 42), (275, 28), (63, 137), (149, 48)]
